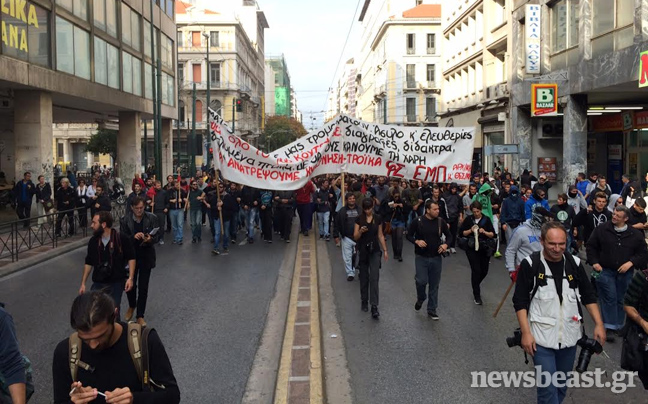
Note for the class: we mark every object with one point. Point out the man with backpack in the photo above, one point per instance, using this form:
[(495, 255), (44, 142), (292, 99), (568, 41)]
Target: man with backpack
[(123, 363), (109, 251), (548, 309)]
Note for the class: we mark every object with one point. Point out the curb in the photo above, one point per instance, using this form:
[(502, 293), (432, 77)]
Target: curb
[(42, 257)]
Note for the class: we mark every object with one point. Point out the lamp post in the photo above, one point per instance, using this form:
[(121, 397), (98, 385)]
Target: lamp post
[(208, 97)]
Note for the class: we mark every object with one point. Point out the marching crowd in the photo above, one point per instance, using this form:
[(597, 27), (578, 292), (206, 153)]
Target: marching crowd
[(359, 213)]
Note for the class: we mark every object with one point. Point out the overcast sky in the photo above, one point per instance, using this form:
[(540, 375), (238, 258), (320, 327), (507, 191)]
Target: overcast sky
[(311, 35)]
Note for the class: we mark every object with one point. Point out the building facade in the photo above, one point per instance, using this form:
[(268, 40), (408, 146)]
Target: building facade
[(590, 49), (282, 88), (232, 32), (82, 61), (395, 76), (476, 74)]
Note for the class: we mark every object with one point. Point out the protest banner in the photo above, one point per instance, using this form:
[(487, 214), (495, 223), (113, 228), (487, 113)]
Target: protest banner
[(346, 144)]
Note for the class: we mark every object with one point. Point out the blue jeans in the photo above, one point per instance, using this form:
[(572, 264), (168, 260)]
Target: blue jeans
[(250, 218), (347, 255), (177, 223), (552, 361), (195, 218), (323, 220), (217, 235), (428, 271), (114, 290), (612, 287)]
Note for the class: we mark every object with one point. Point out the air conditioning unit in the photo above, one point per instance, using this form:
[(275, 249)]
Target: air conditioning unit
[(5, 103), (551, 130), (502, 90)]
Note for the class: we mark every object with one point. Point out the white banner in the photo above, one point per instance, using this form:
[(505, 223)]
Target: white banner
[(346, 145)]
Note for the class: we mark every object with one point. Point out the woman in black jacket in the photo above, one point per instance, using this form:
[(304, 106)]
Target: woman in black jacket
[(395, 211), (43, 197), (478, 229)]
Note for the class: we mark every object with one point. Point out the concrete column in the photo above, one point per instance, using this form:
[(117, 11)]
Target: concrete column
[(66, 153), (641, 21), (574, 138), (167, 147), (521, 134), (129, 147), (33, 134)]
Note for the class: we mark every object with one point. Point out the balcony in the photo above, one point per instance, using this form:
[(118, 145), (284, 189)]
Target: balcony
[(411, 51), (431, 51), (410, 119), (410, 84)]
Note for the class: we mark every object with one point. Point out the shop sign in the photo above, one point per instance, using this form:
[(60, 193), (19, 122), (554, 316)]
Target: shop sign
[(607, 123), (548, 166), (544, 99), (643, 69), (532, 34), (641, 120), (14, 30), (614, 152)]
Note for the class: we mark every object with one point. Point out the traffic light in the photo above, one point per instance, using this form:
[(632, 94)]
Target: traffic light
[(239, 105)]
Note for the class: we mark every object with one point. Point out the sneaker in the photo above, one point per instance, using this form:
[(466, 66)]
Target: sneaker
[(400, 259), (364, 306), (175, 242), (327, 237), (287, 241), (225, 251), (418, 304), (350, 278), (193, 241), (321, 236), (497, 254), (478, 301), (453, 250), (215, 251), (180, 242), (250, 241), (374, 312), (433, 315), (161, 242)]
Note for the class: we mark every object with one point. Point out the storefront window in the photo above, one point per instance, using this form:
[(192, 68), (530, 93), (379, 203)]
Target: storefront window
[(27, 39), (112, 54), (100, 61)]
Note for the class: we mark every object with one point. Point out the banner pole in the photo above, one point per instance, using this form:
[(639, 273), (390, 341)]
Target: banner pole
[(343, 190), (220, 211)]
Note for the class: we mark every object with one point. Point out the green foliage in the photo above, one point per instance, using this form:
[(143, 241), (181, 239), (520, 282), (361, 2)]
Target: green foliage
[(280, 131), (103, 142)]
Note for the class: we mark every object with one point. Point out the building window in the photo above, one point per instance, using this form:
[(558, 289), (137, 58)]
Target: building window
[(199, 111), (59, 151), (170, 90), (147, 38), (612, 25), (410, 43), (197, 73), (499, 12), (112, 54), (135, 30), (431, 44), (100, 14), (180, 72), (196, 39), (180, 39), (76, 7), (81, 53), (430, 109), (410, 75), (126, 35), (28, 41), (410, 109), (137, 76), (100, 61), (111, 17), (564, 20), (169, 8), (72, 49), (127, 72), (166, 52), (431, 76), (215, 74), (148, 80), (214, 39)]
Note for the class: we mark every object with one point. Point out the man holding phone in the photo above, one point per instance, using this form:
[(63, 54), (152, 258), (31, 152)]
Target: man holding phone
[(142, 228)]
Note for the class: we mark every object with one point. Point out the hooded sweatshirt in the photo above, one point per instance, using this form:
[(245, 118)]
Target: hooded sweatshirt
[(591, 220), (532, 203), (513, 208), (564, 214), (453, 203), (524, 241), (576, 200), (484, 197)]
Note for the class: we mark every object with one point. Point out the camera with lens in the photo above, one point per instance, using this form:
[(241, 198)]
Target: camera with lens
[(588, 346), (515, 340), (445, 254)]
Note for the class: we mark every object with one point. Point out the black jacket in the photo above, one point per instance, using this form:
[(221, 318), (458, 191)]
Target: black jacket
[(454, 205), (132, 196), (229, 207), (400, 213), (636, 217), (161, 200), (44, 193), (289, 195), (344, 222), (323, 195), (104, 203), (65, 195), (591, 220), (564, 214), (430, 231), (250, 195), (30, 189), (122, 252), (144, 252), (612, 249)]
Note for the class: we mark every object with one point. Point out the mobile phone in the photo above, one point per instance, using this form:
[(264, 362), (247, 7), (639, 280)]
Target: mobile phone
[(154, 231)]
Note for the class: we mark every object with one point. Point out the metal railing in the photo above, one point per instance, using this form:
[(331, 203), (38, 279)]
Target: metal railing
[(27, 236)]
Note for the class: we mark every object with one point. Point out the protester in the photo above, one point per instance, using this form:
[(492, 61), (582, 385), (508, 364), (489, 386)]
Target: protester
[(235, 192), (160, 207), (65, 203), (468, 198), (636, 309), (43, 192), (591, 218), (101, 202), (564, 213), (426, 233), (538, 198), (549, 315), (225, 206), (137, 179), (24, 193), (412, 198), (323, 195), (454, 206), (102, 341), (512, 213), (303, 196), (266, 198), (195, 201), (177, 203), (396, 212), (343, 233), (285, 206), (637, 215), (82, 201), (138, 192), (576, 200), (109, 252), (369, 238), (250, 205), (614, 250), (478, 229), (524, 241), (543, 185)]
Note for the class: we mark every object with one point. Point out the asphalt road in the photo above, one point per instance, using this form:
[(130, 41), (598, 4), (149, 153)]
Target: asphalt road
[(407, 358), (209, 311)]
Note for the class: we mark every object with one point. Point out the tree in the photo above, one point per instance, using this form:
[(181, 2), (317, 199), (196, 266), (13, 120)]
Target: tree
[(103, 142), (281, 130)]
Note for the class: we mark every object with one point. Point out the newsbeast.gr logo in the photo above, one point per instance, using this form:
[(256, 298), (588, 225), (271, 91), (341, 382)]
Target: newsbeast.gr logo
[(596, 378)]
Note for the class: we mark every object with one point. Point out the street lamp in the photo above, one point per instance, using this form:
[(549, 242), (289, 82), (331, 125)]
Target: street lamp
[(208, 94)]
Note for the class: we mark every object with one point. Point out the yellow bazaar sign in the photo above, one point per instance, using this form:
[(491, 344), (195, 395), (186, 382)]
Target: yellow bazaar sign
[(15, 36)]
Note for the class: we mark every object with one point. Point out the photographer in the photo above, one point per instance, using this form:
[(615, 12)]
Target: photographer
[(548, 307), (479, 231), (109, 252)]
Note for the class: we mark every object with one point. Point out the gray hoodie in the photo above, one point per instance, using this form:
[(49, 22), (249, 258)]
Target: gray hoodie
[(524, 241)]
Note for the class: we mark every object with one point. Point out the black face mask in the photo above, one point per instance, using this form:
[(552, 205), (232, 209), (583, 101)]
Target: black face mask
[(573, 195)]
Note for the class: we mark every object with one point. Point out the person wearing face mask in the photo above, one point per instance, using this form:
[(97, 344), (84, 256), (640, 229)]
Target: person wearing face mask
[(538, 198), (575, 199), (512, 212), (524, 241), (637, 215), (101, 343), (564, 213)]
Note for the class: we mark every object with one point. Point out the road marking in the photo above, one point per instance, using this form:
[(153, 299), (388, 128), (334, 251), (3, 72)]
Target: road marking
[(301, 346), (299, 378), (303, 304)]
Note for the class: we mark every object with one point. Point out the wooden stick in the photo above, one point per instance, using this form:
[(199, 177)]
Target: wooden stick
[(220, 211), (503, 299), (343, 190)]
